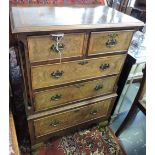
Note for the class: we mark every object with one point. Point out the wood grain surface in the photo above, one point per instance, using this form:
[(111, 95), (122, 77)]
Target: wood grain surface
[(64, 95), (73, 71), (40, 47), (50, 18), (72, 117), (99, 40)]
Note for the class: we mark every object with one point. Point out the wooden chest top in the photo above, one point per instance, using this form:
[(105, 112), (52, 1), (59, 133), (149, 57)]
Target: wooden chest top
[(51, 18)]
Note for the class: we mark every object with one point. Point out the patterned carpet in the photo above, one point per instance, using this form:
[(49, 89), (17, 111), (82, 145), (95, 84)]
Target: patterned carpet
[(94, 141)]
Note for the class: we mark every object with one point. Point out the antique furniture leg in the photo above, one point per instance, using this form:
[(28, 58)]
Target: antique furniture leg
[(123, 78), (128, 86), (133, 107)]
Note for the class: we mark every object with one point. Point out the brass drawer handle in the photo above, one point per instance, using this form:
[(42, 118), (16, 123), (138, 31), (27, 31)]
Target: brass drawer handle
[(57, 74), (83, 62), (57, 46), (112, 40), (78, 85), (98, 87), (56, 97), (57, 37), (104, 66), (94, 112), (111, 43), (54, 123)]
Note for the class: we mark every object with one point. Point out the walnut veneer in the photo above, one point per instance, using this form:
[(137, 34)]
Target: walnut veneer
[(71, 59)]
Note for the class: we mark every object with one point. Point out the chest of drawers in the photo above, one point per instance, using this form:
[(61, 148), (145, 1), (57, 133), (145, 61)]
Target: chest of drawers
[(71, 58)]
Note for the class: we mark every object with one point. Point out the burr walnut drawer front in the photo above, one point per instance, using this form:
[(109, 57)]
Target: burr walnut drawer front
[(102, 42), (43, 48), (70, 118), (63, 95), (56, 74)]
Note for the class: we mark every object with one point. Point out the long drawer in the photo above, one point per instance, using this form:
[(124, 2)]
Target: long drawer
[(56, 122), (61, 96), (55, 74), (47, 47), (109, 41)]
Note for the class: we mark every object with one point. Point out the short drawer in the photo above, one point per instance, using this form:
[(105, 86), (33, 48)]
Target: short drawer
[(109, 41), (44, 48), (56, 122), (64, 95), (55, 74)]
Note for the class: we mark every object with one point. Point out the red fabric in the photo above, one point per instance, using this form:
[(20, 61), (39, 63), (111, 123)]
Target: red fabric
[(58, 2), (55, 1)]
